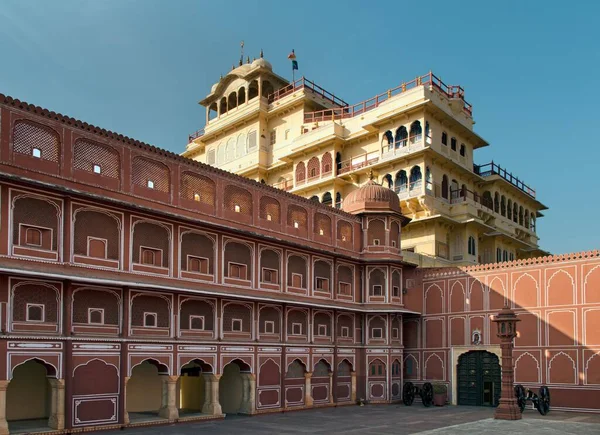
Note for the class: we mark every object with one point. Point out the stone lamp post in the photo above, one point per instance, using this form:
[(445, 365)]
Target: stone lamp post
[(507, 330)]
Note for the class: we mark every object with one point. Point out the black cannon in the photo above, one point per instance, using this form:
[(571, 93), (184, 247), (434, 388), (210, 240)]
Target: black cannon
[(409, 391), (541, 402)]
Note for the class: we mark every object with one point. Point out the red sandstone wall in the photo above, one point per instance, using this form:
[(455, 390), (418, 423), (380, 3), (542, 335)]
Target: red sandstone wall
[(557, 300)]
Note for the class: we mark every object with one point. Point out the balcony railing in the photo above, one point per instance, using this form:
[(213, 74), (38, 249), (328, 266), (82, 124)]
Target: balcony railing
[(453, 92), (493, 169), (196, 135), (358, 162), (410, 190), (286, 185), (308, 180), (303, 83)]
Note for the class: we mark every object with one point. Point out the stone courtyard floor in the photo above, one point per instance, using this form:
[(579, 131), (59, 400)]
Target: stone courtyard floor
[(386, 419)]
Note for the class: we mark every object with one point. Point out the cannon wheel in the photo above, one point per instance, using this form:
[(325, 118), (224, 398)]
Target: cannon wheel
[(544, 400), (520, 395), (427, 394), (408, 393)]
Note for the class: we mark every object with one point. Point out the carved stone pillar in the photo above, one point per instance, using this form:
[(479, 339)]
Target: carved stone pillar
[(353, 386), (211, 395), (125, 412), (3, 422), (507, 408), (57, 404), (248, 405), (169, 409), (308, 399), (331, 388)]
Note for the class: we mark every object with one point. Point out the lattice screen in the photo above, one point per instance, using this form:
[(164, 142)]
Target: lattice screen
[(197, 245), (326, 163), (270, 209), (88, 153), (313, 167), (152, 236), (236, 311), (35, 294), (322, 225), (35, 212), (88, 298), (89, 223), (196, 308), (28, 135), (269, 314), (295, 370), (300, 172), (297, 217), (321, 369), (344, 231), (150, 304), (198, 188), (238, 200), (145, 170)]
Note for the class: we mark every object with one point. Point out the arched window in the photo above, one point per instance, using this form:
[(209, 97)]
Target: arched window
[(338, 162), (471, 247), (428, 179), (327, 200), (487, 200), (387, 141), (401, 183), (444, 138), (509, 209), (212, 111), (453, 144), (516, 213), (401, 136), (387, 181), (223, 106), (463, 149), (300, 172), (338, 200), (416, 132), (253, 90), (503, 205), (241, 96), (445, 187), (520, 215), (497, 202), (415, 178), (232, 101), (326, 164), (498, 255), (315, 199)]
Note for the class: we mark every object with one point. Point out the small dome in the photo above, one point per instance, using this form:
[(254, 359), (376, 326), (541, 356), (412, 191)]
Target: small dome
[(373, 198), (261, 63)]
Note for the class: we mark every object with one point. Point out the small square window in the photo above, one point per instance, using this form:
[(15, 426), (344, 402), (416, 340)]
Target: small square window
[(236, 325), (269, 276), (296, 224), (377, 290), (376, 333), (237, 271), (321, 232), (296, 328), (396, 291), (35, 313), (376, 242), (96, 316), (150, 184), (269, 217), (269, 327), (393, 243), (322, 284), (33, 237), (150, 320), (344, 288), (197, 264), (237, 208), (197, 197), (322, 330), (37, 153), (197, 323), (97, 169), (395, 333), (345, 332)]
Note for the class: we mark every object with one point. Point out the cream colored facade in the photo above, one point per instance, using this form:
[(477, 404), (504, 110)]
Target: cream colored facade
[(417, 139)]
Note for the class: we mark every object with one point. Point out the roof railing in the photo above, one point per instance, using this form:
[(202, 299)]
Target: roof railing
[(304, 83), (453, 92), (492, 168)]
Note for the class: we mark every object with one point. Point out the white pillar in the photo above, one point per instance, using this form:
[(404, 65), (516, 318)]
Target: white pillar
[(169, 409), (331, 388), (57, 406), (353, 386), (125, 412), (308, 399), (211, 395), (3, 422)]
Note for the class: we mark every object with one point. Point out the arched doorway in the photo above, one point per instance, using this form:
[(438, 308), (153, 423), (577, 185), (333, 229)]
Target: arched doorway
[(295, 381), (29, 397), (235, 388), (144, 392), (192, 391), (321, 382), (479, 379), (344, 382)]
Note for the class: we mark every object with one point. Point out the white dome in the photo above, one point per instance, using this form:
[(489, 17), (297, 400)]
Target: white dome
[(261, 63)]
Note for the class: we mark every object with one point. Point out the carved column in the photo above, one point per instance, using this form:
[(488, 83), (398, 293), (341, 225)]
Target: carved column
[(211, 395), (244, 404), (331, 388), (248, 394), (308, 400), (3, 422), (353, 386), (125, 412), (57, 406), (169, 409), (508, 408)]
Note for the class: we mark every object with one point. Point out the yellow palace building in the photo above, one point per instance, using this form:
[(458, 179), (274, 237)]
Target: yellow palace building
[(416, 138)]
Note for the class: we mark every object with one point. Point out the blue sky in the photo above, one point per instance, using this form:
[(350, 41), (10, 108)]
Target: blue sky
[(530, 69)]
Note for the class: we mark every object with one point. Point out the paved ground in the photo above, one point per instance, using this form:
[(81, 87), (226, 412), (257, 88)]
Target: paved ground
[(392, 419)]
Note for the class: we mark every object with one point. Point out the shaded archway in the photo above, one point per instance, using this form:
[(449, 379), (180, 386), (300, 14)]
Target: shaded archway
[(322, 382), (235, 388), (144, 391), (294, 383), (344, 386), (29, 398), (192, 387)]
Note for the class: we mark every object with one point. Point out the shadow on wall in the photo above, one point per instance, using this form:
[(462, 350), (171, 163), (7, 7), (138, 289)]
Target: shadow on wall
[(557, 300)]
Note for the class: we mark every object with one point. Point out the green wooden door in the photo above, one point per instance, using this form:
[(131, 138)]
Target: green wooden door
[(478, 379)]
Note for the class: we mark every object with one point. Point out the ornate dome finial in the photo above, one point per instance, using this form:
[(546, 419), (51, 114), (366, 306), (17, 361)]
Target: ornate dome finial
[(248, 59), (261, 53), (220, 77)]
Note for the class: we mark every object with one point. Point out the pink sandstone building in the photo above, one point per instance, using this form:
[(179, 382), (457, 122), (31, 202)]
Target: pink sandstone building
[(138, 286)]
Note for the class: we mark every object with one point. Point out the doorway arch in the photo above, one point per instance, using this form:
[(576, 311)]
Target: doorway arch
[(235, 388), (144, 391), (479, 379), (191, 394)]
